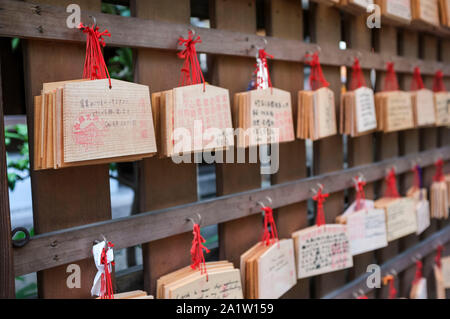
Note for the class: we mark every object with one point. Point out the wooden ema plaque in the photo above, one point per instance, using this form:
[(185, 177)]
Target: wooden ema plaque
[(397, 11), (400, 216), (394, 111), (442, 108), (268, 271), (357, 115), (264, 117), (366, 227), (193, 119), (423, 108), (444, 12), (357, 6), (425, 11), (322, 249), (222, 281), (85, 122), (316, 114)]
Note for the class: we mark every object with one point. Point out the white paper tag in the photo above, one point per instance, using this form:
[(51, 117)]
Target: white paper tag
[(97, 252)]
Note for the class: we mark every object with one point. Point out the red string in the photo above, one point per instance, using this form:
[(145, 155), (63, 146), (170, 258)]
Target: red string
[(357, 79), (392, 290), (417, 82), (191, 72), (197, 257), (94, 63), (269, 235), (391, 185), (360, 195), (437, 259), (419, 275), (439, 175), (390, 81), (262, 56), (320, 199), (438, 82), (316, 78), (363, 297), (106, 287)]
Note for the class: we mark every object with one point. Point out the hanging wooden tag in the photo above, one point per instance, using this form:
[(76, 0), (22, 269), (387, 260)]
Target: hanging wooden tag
[(394, 111), (396, 11), (442, 105), (357, 6), (423, 108), (400, 216), (358, 115), (425, 11), (446, 272), (366, 227), (444, 12), (322, 249)]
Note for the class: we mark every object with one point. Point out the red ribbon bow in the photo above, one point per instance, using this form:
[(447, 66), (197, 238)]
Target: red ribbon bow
[(417, 82), (439, 175), (438, 82), (316, 79), (269, 235), (94, 63), (320, 199), (357, 79), (390, 81), (191, 72), (106, 287), (437, 259), (360, 195), (391, 185), (262, 56), (197, 257), (419, 275)]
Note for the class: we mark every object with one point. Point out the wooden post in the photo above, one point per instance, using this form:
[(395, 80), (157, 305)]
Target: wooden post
[(162, 182), (6, 253), (444, 132), (65, 197), (360, 150), (428, 141), (286, 21), (236, 236), (387, 144), (408, 144), (328, 34)]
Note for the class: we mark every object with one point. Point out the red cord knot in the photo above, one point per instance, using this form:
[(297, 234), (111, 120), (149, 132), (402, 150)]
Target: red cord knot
[(439, 175), (320, 199), (270, 234), (391, 185), (390, 81), (191, 72), (197, 248), (357, 79), (438, 257), (360, 195), (417, 82), (419, 274), (438, 82), (316, 78)]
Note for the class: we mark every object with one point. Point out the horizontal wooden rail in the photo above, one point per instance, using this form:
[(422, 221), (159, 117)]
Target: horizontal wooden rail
[(396, 265), (25, 20), (69, 245)]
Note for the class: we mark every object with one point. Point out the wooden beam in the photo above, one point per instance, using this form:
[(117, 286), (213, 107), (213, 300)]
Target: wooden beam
[(19, 19), (6, 252), (75, 243)]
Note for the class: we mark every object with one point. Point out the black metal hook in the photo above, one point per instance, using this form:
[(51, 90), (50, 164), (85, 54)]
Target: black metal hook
[(18, 243)]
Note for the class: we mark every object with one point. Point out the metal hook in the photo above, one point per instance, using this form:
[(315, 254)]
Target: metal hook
[(95, 21), (394, 272), (261, 48), (269, 199), (193, 31), (20, 242), (190, 219)]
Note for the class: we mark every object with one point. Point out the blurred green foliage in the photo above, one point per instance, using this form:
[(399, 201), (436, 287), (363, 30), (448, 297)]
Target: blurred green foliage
[(18, 169)]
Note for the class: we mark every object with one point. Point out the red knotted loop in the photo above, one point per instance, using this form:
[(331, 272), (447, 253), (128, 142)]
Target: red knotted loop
[(363, 297), (270, 233), (260, 78), (94, 64), (419, 274), (106, 287), (438, 82), (392, 290), (191, 72), (316, 78), (320, 199), (390, 81), (391, 185), (360, 195), (439, 175), (197, 257), (357, 79), (417, 82), (438, 257)]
